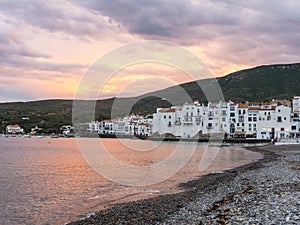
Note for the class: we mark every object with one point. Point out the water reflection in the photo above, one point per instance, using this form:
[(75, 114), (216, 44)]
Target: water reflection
[(48, 181)]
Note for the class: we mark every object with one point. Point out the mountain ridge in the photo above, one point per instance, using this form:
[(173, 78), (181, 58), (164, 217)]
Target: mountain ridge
[(260, 83)]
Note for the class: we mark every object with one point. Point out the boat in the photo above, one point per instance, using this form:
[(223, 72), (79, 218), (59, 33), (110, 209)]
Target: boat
[(27, 136), (54, 136), (288, 142)]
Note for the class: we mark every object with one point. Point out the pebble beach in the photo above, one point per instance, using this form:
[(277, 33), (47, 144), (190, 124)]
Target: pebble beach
[(263, 192)]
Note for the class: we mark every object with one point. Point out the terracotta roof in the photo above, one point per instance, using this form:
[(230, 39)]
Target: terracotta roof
[(243, 105), (167, 110), (254, 103), (254, 108), (13, 126)]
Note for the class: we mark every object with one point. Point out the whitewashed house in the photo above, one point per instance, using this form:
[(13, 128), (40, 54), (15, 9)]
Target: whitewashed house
[(244, 120), (132, 125), (14, 129), (295, 118), (94, 126), (273, 122)]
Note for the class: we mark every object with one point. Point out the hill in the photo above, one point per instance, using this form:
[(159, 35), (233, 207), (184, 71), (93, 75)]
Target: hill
[(261, 83)]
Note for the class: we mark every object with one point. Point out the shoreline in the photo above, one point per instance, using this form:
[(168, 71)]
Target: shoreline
[(172, 208)]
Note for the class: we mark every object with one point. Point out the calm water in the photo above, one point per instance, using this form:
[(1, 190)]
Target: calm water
[(47, 181)]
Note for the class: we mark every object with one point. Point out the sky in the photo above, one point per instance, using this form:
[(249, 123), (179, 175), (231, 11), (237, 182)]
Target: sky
[(47, 47)]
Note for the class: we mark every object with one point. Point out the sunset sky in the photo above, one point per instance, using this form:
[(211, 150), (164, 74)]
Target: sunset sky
[(46, 47)]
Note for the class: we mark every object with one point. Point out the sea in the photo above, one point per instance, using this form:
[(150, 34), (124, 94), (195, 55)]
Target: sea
[(58, 180)]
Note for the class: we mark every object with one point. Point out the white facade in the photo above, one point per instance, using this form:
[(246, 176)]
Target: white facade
[(191, 120), (67, 130), (14, 129), (274, 122), (295, 118), (132, 125), (246, 120), (271, 120)]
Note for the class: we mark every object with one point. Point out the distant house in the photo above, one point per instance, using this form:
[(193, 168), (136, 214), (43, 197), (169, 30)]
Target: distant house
[(67, 130), (14, 129), (35, 130)]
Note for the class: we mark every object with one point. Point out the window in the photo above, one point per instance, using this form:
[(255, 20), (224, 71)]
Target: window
[(249, 119), (279, 120), (165, 117), (294, 128), (254, 119), (282, 129), (223, 119), (232, 128), (232, 108), (232, 114), (169, 117)]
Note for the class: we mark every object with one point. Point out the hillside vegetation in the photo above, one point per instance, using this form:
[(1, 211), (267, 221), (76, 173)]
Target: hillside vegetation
[(257, 84)]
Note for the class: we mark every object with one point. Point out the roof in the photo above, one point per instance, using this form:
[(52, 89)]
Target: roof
[(167, 110), (254, 108), (243, 105), (13, 126)]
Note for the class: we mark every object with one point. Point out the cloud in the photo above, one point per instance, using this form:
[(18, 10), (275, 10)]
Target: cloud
[(239, 32), (12, 45), (59, 16), (165, 18), (38, 38), (14, 53)]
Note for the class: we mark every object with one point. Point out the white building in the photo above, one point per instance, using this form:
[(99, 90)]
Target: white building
[(295, 118), (67, 130), (132, 126), (244, 120), (14, 129), (274, 122), (191, 120)]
